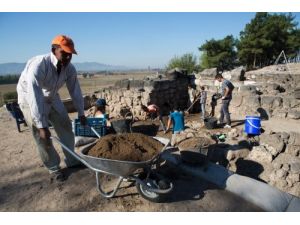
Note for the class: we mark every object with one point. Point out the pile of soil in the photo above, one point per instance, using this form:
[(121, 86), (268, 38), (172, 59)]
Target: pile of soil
[(195, 150), (126, 147), (194, 143)]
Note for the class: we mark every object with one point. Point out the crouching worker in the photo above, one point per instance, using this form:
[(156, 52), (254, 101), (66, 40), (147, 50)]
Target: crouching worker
[(176, 118), (152, 112), (39, 100), (99, 111)]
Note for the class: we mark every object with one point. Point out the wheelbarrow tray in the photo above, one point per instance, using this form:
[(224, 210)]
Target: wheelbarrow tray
[(117, 167)]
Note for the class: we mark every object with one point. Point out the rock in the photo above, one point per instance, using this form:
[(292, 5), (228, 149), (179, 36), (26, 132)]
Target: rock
[(294, 138), (273, 177), (286, 167), (273, 143), (260, 154), (280, 113), (293, 150), (294, 103), (277, 165), (273, 92), (236, 154), (238, 73), (267, 101), (294, 177), (281, 173), (233, 133), (252, 101), (277, 102), (188, 130), (284, 136), (196, 125), (273, 86), (289, 182), (295, 167), (180, 137), (190, 135), (294, 114), (247, 90), (209, 72), (297, 93), (295, 190), (274, 151), (281, 184), (286, 103)]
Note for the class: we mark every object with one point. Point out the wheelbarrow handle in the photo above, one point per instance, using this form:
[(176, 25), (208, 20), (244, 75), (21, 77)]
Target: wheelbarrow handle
[(74, 154), (93, 129)]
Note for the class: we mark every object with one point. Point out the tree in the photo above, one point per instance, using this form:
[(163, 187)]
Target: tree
[(187, 61), (219, 53), (265, 37), (9, 79)]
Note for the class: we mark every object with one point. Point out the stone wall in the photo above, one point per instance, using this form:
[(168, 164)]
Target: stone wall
[(263, 94), (163, 92)]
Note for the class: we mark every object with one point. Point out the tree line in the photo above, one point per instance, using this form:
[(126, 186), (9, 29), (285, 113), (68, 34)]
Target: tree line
[(9, 79), (258, 45)]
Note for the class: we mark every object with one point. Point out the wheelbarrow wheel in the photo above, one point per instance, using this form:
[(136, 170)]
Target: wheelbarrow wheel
[(152, 196)]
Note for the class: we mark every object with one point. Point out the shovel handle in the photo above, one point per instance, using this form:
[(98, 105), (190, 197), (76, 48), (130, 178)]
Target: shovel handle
[(95, 132), (193, 103)]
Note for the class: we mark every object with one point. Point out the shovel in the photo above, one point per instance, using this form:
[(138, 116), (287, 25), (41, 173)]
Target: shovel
[(95, 132), (187, 111)]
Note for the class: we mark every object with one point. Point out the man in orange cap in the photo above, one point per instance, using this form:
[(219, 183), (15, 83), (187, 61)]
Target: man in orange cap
[(39, 100)]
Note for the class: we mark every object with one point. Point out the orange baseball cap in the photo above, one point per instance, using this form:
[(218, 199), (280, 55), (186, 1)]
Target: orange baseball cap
[(65, 43)]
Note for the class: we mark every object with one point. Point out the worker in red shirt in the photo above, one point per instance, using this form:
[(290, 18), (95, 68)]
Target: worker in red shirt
[(152, 111)]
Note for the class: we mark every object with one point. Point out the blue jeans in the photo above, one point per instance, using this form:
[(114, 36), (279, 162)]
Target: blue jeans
[(225, 111), (202, 110)]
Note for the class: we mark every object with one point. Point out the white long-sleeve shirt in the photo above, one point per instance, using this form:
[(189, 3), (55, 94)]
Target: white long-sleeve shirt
[(39, 84)]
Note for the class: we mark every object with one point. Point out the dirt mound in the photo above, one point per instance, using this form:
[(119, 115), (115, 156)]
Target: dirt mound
[(126, 147), (195, 143)]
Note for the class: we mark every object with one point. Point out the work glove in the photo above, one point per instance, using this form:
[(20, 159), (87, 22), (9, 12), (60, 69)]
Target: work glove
[(83, 120), (44, 133)]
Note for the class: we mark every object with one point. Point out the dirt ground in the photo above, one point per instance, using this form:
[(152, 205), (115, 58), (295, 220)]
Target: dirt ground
[(26, 185)]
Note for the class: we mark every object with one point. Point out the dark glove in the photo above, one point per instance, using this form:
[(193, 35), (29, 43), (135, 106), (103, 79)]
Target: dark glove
[(44, 133), (83, 120)]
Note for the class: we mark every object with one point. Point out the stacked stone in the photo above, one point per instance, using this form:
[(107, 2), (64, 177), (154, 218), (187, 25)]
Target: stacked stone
[(279, 154), (165, 93), (293, 146), (286, 177), (266, 101)]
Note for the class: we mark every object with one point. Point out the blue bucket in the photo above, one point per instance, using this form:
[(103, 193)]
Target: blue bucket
[(252, 125)]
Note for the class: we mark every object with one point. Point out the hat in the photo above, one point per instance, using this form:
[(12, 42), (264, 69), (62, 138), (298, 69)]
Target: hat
[(101, 102), (65, 43)]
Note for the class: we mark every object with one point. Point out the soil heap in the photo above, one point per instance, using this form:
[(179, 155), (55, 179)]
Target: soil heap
[(134, 147), (194, 143)]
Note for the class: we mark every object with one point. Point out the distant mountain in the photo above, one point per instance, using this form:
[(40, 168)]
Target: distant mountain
[(94, 66), (11, 68), (16, 68)]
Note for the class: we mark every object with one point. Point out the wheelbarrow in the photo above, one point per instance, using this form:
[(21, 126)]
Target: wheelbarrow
[(149, 183)]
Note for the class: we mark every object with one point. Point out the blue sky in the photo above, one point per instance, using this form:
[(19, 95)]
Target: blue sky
[(130, 39)]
